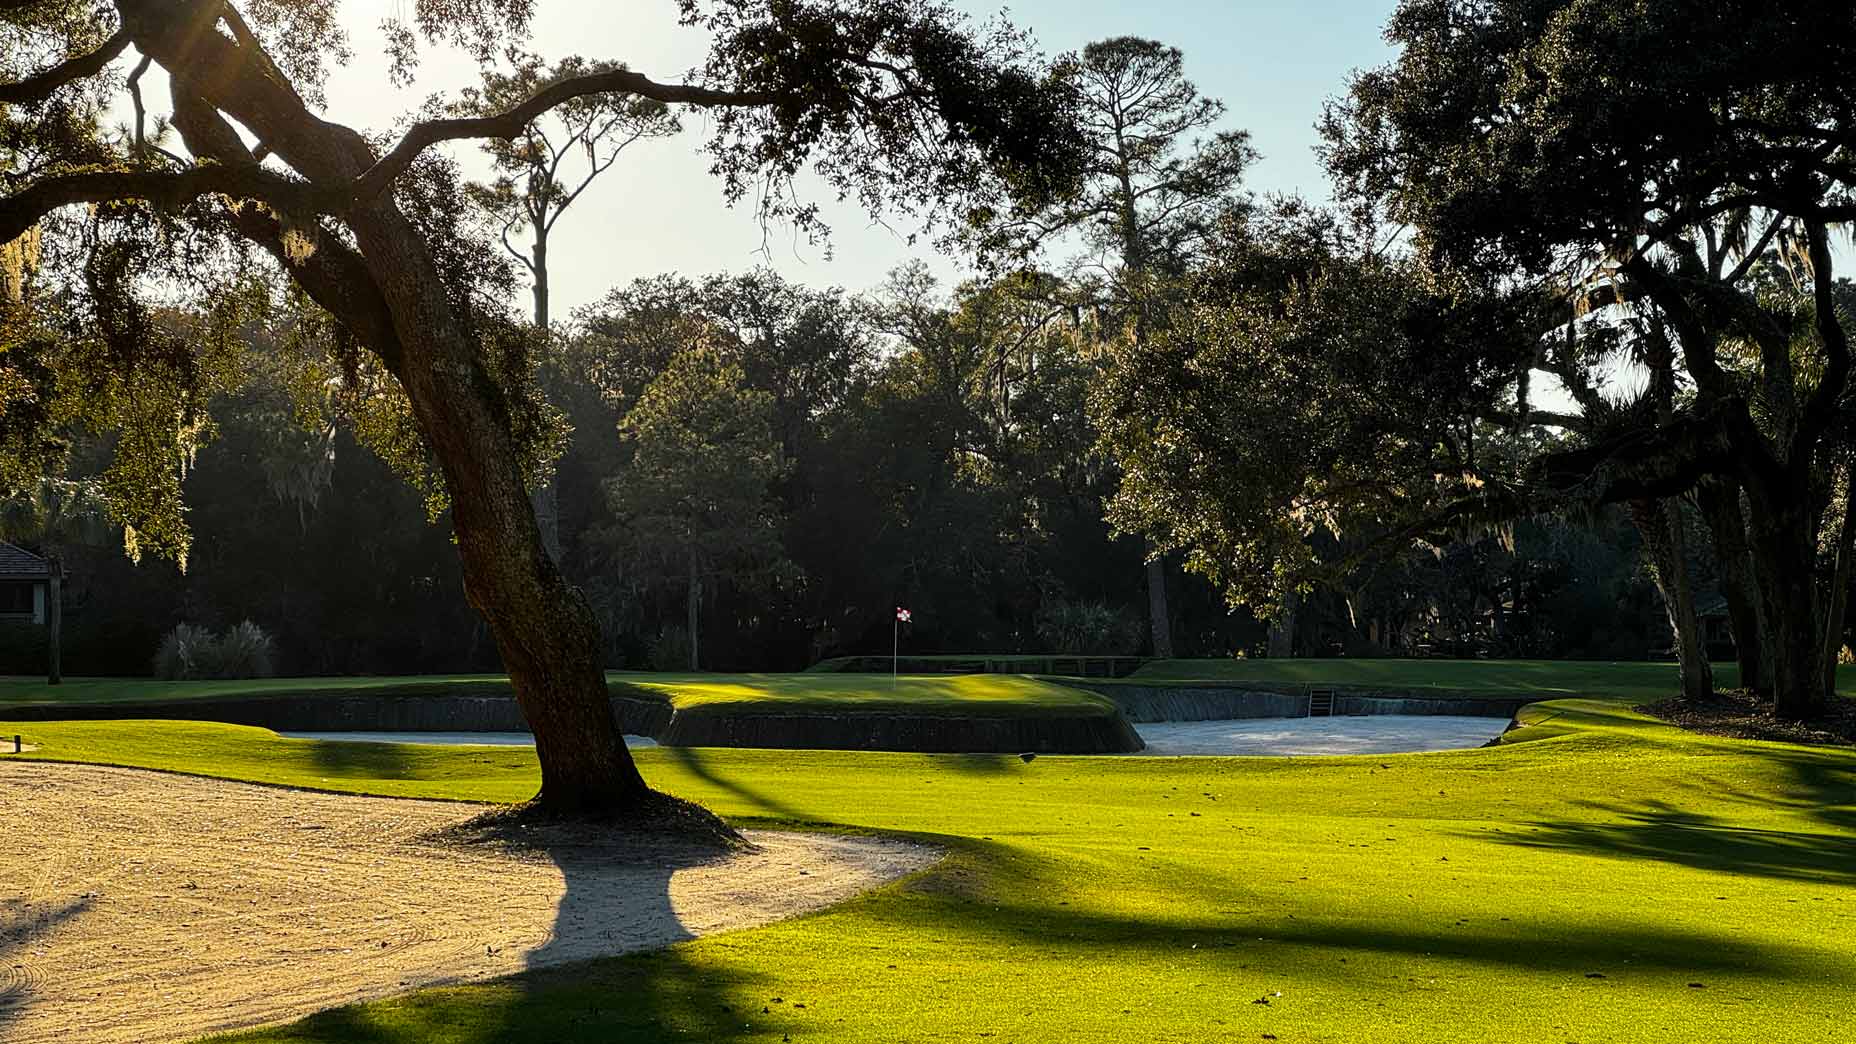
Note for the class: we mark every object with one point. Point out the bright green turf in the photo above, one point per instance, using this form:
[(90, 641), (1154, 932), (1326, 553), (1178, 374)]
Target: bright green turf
[(973, 695), (970, 694), (1031, 663), (1638, 681), (1464, 896)]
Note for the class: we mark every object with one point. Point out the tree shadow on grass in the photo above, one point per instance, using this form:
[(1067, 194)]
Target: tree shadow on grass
[(1655, 831), (359, 758), (1819, 785), (1241, 936), (1824, 786), (643, 999), (695, 761), (979, 764)]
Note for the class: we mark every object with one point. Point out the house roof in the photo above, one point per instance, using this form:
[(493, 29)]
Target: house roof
[(17, 563)]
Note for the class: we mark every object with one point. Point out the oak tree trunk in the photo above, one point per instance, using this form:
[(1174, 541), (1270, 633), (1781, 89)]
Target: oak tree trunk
[(1660, 522), (1836, 599), (1719, 500), (544, 629), (386, 287), (1282, 629), (1784, 546), (1159, 622)]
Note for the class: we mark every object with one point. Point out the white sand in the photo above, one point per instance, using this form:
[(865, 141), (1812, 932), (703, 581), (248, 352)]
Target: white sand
[(142, 906), (1290, 737)]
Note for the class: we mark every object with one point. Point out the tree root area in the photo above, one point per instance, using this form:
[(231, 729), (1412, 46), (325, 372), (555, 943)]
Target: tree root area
[(1743, 714)]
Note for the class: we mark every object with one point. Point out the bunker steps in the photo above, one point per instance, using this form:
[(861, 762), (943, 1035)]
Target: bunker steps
[(1320, 703)]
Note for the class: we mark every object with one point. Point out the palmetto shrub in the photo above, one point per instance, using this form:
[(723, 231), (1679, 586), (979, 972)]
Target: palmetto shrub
[(244, 651), (1086, 628), (670, 650)]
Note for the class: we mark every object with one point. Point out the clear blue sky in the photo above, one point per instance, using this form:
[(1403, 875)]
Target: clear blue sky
[(1272, 62)]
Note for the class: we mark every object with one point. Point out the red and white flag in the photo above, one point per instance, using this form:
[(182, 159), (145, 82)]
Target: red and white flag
[(902, 615)]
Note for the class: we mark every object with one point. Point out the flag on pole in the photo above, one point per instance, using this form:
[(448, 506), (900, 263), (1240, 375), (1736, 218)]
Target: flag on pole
[(895, 638)]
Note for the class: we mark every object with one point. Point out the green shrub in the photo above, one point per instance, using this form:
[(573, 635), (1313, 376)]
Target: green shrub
[(245, 651), (22, 647), (1086, 628), (670, 650)]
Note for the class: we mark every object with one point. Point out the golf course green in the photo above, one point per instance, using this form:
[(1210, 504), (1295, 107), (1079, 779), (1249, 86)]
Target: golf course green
[(1600, 876)]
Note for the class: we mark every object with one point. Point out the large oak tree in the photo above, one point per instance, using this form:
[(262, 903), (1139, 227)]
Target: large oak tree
[(900, 106), (1656, 156)]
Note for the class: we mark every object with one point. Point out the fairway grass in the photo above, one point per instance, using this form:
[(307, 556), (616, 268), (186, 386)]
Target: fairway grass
[(1603, 877), (976, 695)]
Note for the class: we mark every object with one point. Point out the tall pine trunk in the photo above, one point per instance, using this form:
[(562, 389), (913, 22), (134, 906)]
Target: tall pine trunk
[(546, 499), (694, 607)]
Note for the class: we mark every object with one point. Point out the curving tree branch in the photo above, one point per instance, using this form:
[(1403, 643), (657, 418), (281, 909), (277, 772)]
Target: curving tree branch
[(25, 208), (509, 123), (1821, 407), (40, 85)]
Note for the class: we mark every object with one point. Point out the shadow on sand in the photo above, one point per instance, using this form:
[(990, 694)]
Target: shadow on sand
[(20, 926), (570, 994)]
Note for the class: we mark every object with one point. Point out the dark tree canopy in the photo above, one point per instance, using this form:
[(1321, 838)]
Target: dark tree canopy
[(1668, 170), (1307, 387)]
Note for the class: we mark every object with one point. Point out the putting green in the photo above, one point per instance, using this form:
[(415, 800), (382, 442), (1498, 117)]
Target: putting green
[(1615, 879), (967, 694)]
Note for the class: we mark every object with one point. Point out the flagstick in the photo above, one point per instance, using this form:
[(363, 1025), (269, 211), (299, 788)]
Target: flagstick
[(895, 647)]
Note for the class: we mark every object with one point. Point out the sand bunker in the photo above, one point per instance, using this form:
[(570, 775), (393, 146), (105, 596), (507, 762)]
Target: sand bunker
[(142, 906), (1292, 737)]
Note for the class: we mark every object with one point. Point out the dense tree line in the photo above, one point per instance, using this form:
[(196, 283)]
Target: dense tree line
[(921, 445)]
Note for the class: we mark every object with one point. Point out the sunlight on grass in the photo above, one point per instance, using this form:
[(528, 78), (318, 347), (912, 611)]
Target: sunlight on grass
[(1570, 888)]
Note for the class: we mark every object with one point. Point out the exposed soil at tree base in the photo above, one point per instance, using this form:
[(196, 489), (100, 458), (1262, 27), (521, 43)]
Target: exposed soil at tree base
[(1743, 714)]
